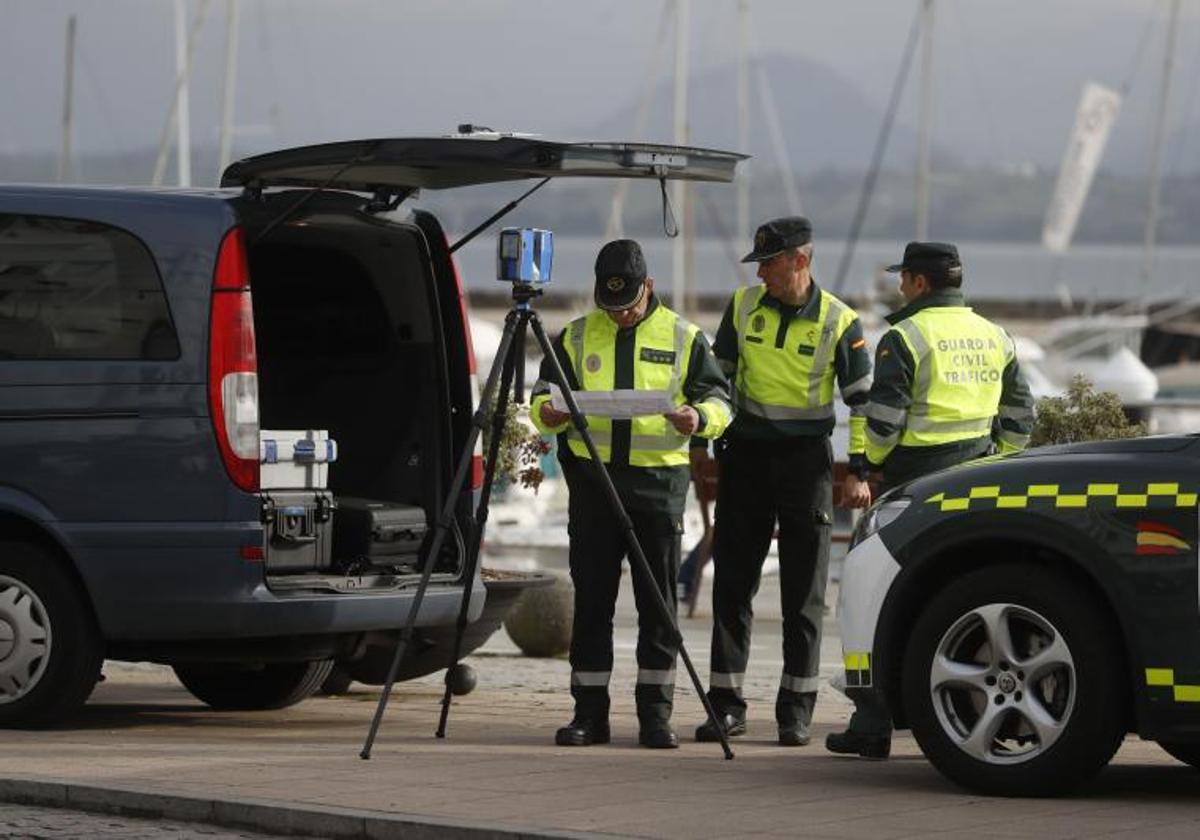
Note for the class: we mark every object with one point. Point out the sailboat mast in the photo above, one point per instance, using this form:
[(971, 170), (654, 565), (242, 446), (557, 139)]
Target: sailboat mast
[(164, 140), (679, 188), (183, 124), (1160, 135), (925, 121), (231, 48), (743, 124), (64, 155)]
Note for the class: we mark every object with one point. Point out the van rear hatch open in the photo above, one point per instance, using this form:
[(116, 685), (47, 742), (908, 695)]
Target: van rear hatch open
[(407, 164), (355, 317)]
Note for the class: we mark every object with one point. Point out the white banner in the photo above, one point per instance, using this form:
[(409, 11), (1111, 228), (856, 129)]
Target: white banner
[(1094, 120)]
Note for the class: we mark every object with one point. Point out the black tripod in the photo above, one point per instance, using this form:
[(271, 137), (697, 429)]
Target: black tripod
[(509, 365)]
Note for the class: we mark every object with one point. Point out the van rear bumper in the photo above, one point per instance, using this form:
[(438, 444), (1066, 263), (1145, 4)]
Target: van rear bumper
[(189, 581)]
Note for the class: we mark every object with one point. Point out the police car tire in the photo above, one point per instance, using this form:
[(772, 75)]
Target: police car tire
[(1187, 753), (1097, 723), (38, 591)]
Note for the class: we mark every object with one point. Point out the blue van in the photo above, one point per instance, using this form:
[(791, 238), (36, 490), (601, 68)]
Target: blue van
[(148, 341)]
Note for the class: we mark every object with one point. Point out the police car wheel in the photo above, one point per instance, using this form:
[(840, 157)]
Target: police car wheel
[(1187, 753), (1014, 683), (50, 648)]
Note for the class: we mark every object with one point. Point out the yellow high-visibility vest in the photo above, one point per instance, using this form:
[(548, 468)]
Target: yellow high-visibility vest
[(662, 354), (960, 360), (796, 384)]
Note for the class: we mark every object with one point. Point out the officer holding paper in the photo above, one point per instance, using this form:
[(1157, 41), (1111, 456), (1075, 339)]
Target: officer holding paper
[(630, 341)]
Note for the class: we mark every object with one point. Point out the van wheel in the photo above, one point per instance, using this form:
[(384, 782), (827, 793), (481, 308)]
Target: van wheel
[(50, 649), (274, 685), (1187, 753), (338, 681), (1014, 683)]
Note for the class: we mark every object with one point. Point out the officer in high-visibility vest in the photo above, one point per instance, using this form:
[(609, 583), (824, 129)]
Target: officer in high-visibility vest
[(784, 343), (632, 341), (947, 389)]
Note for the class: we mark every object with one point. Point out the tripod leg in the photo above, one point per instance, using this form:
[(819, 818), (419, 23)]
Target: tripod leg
[(499, 416), (445, 519), (635, 549)]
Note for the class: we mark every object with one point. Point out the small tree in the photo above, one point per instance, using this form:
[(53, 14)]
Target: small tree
[(1083, 414)]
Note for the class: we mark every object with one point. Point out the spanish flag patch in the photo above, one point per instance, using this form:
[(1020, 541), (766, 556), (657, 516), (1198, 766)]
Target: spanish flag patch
[(862, 342), (1157, 538)]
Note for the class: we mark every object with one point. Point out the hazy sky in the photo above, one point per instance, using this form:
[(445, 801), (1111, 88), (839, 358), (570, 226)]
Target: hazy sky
[(1008, 72)]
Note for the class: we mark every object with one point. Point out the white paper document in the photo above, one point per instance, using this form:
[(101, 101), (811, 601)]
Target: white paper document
[(621, 404)]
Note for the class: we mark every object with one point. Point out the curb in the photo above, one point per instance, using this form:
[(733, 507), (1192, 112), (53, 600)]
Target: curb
[(268, 816)]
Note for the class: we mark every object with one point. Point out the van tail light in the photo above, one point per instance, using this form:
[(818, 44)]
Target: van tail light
[(233, 364), (477, 457)]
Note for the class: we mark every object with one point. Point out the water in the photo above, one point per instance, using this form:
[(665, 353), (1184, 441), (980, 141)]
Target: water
[(993, 270)]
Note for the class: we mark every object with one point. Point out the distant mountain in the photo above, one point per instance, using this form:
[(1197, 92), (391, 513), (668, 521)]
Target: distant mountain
[(826, 121)]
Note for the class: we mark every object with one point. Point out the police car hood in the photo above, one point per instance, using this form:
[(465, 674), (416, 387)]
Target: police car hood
[(1129, 446), (1053, 465)]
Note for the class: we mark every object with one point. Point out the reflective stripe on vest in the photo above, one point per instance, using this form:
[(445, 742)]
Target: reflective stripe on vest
[(960, 360), (591, 344), (773, 394)]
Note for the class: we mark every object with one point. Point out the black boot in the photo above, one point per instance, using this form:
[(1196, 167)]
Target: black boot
[(708, 731), (877, 747), (659, 736), (794, 735), (582, 732)]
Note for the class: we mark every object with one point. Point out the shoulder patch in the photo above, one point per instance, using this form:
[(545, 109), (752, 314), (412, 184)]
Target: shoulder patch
[(862, 342)]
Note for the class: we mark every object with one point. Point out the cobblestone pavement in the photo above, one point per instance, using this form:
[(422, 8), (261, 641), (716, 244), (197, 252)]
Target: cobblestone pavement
[(26, 821)]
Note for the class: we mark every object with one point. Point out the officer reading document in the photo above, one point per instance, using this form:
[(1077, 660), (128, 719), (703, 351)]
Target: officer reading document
[(947, 389), (785, 343), (630, 342)]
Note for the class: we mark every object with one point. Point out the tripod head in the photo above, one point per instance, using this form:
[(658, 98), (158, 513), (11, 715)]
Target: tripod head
[(523, 294)]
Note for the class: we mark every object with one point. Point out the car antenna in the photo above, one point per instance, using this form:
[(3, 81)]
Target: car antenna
[(359, 158), (503, 211)]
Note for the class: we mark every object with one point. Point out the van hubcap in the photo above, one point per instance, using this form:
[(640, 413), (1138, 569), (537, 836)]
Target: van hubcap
[(24, 639), (1003, 683)]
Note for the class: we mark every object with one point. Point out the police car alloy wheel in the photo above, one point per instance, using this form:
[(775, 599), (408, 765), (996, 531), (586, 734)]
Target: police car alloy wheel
[(50, 649), (1003, 683), (1014, 683)]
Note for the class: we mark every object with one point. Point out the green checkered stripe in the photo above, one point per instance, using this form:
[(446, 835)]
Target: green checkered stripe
[(858, 668), (1162, 680), (1160, 495)]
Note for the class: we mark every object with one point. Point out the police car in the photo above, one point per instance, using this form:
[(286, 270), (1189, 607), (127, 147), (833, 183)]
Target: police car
[(1022, 614)]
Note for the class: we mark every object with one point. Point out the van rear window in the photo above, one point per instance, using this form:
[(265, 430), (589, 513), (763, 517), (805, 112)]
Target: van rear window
[(72, 289)]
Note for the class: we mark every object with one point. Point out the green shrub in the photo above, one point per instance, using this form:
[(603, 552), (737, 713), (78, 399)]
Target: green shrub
[(1083, 414)]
